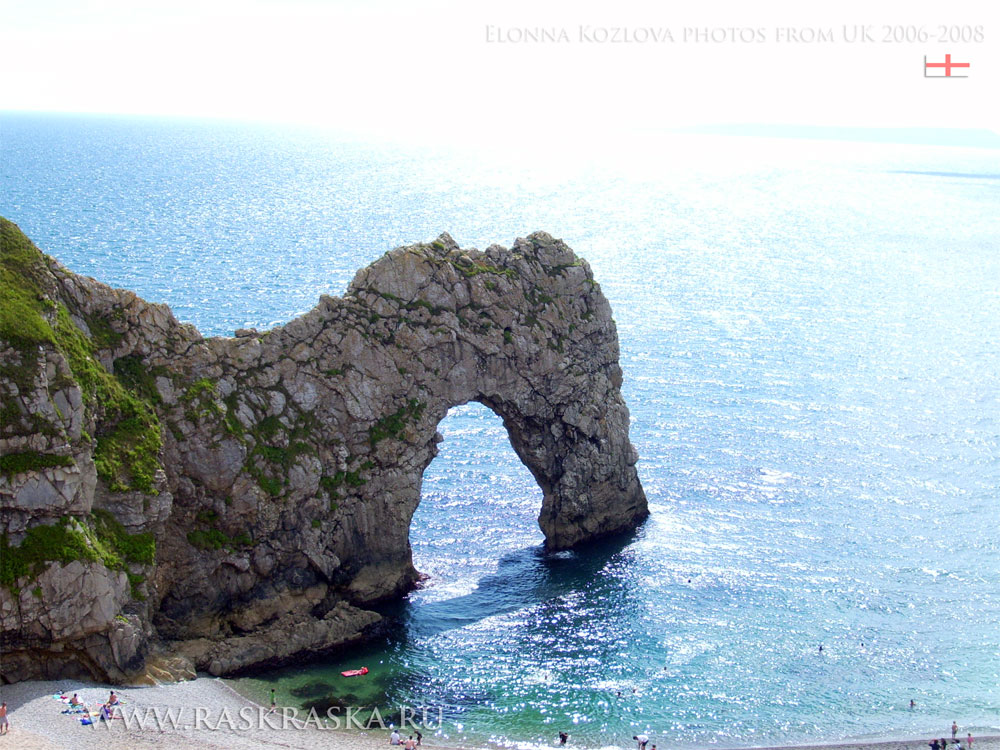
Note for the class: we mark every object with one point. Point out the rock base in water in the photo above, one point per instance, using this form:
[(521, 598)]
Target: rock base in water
[(247, 496)]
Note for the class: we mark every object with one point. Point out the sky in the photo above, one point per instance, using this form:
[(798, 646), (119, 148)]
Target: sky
[(452, 67)]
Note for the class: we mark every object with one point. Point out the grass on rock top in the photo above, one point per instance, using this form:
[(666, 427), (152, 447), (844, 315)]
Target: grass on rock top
[(128, 430), (22, 300)]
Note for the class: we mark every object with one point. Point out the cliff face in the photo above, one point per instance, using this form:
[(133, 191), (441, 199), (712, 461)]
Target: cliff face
[(244, 498)]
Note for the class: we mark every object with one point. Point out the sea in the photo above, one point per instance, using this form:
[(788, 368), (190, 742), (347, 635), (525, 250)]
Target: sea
[(810, 340)]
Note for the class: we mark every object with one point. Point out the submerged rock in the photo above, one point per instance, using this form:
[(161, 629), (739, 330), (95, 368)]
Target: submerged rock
[(277, 472)]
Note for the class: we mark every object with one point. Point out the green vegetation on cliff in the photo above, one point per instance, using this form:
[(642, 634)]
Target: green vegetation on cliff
[(208, 535), (392, 425), (22, 300), (131, 372), (22, 304), (103, 540), (273, 447), (469, 267), (135, 548), (16, 463), (128, 430)]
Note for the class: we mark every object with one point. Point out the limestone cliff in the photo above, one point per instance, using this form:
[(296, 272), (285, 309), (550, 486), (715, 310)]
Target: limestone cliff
[(242, 499)]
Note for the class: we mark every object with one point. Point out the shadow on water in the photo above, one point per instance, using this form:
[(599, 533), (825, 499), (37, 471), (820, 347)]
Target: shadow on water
[(523, 579), (314, 689), (964, 175)]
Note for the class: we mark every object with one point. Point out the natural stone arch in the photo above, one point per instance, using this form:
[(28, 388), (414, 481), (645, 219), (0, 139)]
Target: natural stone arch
[(278, 472), (538, 346)]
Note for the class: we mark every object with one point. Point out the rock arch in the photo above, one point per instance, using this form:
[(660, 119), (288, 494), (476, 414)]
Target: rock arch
[(527, 333), (291, 460)]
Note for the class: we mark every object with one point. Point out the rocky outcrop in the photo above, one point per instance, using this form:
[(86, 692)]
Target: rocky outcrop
[(275, 473), (283, 639)]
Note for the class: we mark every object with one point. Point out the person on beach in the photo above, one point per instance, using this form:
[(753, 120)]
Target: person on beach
[(934, 745), (410, 743), (4, 724), (563, 738), (75, 701), (420, 738), (913, 704), (110, 706), (394, 738), (274, 701), (641, 739), (954, 729), (968, 741)]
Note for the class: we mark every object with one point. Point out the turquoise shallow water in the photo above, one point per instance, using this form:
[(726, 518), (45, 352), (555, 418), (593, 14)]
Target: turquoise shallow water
[(809, 340)]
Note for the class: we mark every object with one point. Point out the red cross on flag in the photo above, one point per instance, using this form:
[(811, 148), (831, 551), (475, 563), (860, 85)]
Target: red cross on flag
[(945, 69)]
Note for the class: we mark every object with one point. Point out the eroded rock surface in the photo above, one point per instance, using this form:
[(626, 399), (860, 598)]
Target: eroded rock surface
[(286, 465)]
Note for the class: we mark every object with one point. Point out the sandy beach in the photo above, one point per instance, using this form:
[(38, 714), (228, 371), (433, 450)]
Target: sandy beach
[(207, 714)]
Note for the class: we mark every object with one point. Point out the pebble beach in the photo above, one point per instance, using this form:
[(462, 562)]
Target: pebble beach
[(38, 723)]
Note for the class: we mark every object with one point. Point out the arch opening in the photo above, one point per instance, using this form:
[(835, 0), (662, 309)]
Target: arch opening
[(525, 333), (478, 502)]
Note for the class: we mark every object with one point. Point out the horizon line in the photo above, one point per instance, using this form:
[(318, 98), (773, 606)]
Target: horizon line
[(894, 134)]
